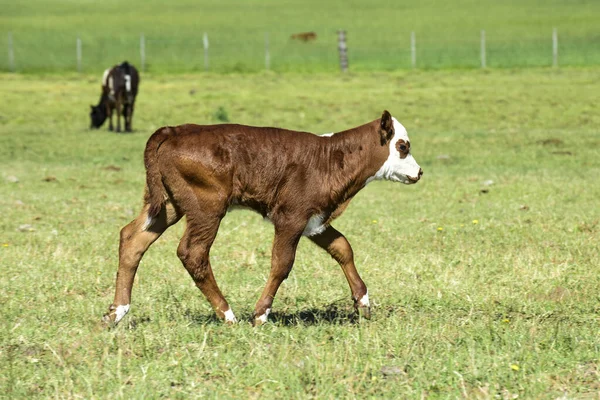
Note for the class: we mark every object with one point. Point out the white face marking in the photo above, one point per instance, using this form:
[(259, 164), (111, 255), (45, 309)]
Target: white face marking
[(364, 301), (120, 312), (327, 134), (395, 168), (263, 318), (314, 225), (229, 316)]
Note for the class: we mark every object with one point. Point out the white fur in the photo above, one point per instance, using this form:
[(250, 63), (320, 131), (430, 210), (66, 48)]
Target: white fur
[(395, 168), (229, 316), (148, 223), (120, 312), (364, 301), (128, 83), (327, 134), (104, 77), (314, 225), (263, 318), (111, 85)]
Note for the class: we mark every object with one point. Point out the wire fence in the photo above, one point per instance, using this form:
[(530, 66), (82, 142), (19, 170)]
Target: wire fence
[(220, 53)]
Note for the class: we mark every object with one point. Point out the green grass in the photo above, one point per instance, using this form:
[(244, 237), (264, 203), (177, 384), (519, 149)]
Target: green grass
[(479, 291), (518, 33)]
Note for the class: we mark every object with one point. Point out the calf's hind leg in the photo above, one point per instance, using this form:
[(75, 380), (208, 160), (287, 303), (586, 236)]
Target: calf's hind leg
[(136, 237), (338, 247), (193, 251)]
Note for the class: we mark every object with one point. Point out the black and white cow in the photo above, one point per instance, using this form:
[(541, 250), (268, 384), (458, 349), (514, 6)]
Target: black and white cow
[(119, 89)]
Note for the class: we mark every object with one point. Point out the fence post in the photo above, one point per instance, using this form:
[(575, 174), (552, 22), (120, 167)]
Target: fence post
[(554, 48), (413, 50), (483, 58), (267, 54), (11, 53), (143, 52), (205, 41), (78, 50), (343, 49)]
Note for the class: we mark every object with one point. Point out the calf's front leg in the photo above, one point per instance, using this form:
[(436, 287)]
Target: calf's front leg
[(282, 260), (339, 248), (109, 111), (119, 107)]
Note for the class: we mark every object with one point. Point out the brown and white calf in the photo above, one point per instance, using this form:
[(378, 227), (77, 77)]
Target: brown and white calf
[(299, 181)]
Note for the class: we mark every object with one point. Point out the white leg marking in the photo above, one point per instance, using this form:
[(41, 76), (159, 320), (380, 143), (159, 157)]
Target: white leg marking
[(364, 301), (120, 312), (229, 316), (263, 318)]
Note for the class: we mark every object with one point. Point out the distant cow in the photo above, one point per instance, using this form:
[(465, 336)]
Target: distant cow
[(304, 36), (119, 89), (298, 181)]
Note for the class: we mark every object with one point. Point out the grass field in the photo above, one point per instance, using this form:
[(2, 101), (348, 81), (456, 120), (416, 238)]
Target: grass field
[(518, 33), (480, 289)]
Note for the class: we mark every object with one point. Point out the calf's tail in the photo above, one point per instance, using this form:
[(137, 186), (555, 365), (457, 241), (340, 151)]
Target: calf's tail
[(156, 193)]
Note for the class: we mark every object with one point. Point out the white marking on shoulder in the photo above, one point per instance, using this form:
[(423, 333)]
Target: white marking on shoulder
[(263, 318), (111, 85), (229, 316), (120, 312), (104, 77), (327, 134), (128, 83), (148, 223), (314, 225), (364, 301)]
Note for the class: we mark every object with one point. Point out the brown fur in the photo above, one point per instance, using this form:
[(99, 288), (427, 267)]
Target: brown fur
[(287, 176), (304, 36)]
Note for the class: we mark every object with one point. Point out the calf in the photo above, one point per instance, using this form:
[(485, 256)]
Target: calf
[(298, 181), (119, 89)]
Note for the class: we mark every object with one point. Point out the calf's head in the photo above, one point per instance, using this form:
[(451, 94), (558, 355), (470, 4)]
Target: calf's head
[(400, 165), (97, 116)]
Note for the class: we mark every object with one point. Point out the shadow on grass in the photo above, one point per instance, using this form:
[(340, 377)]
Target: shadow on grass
[(333, 314)]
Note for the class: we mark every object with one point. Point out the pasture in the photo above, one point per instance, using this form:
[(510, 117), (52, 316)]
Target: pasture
[(447, 34), (483, 276)]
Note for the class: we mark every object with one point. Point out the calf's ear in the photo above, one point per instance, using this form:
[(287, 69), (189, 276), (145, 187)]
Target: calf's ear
[(386, 128)]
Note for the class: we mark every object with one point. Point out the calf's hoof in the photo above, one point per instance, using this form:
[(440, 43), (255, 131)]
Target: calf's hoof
[(229, 317), (258, 320), (115, 314), (109, 318), (363, 306), (364, 312)]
